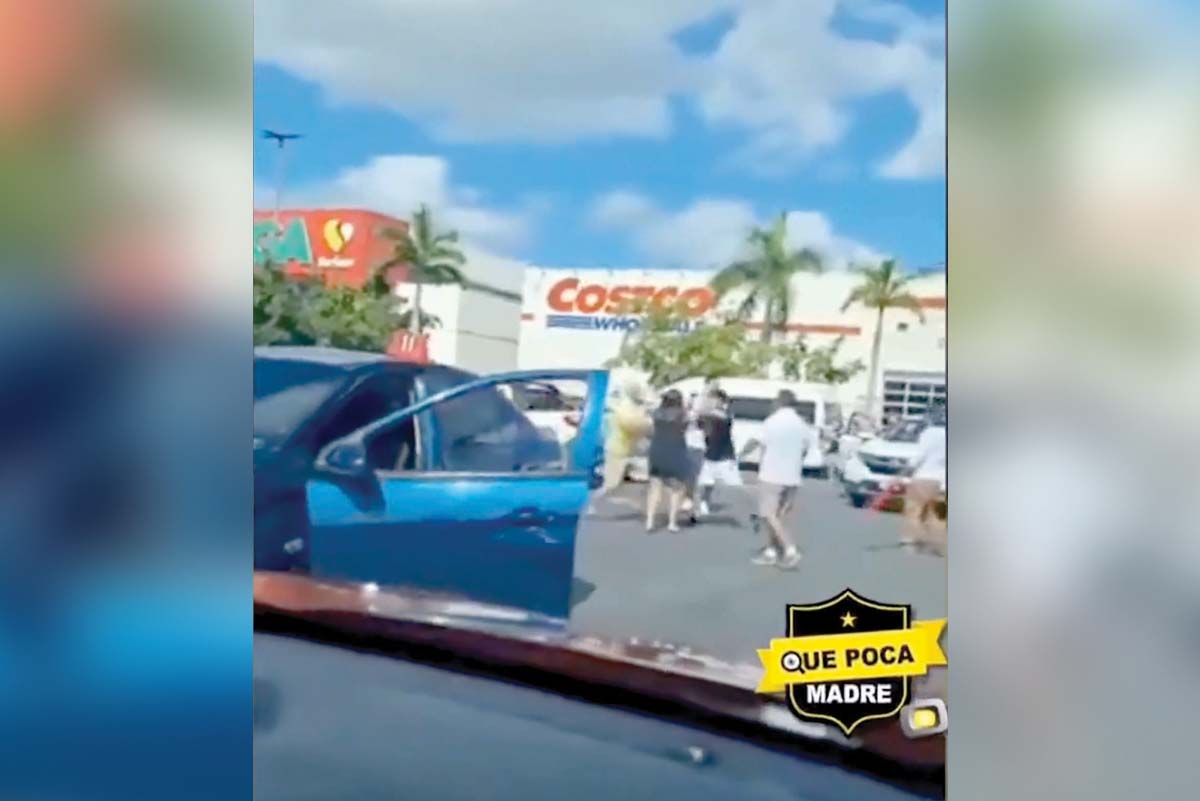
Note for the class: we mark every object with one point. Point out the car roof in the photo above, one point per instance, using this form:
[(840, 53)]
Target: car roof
[(347, 362), (335, 357)]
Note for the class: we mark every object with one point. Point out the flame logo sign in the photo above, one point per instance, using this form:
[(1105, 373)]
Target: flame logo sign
[(337, 234)]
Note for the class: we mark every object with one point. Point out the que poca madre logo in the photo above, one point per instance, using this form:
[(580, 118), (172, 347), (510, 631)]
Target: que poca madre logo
[(850, 659)]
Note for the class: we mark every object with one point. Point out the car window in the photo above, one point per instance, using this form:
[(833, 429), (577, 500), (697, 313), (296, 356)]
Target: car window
[(539, 398), (760, 409), (482, 431), (807, 410), (287, 393), (750, 408), (904, 431), (833, 415), (368, 401)]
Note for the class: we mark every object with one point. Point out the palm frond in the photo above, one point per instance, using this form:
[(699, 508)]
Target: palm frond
[(735, 275), (882, 287), (431, 256), (909, 301), (443, 273), (394, 232), (747, 306), (758, 239), (442, 252), (777, 235), (805, 260), (856, 296)]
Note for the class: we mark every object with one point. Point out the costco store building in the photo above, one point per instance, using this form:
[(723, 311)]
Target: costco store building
[(573, 318)]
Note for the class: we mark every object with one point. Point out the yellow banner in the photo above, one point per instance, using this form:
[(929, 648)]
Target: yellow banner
[(843, 657)]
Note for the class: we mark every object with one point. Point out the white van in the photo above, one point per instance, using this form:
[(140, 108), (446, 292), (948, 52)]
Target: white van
[(750, 401)]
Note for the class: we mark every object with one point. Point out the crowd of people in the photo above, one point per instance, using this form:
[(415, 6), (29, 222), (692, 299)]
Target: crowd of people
[(690, 452)]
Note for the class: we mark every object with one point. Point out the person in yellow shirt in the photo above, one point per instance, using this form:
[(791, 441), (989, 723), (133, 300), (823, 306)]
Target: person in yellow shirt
[(628, 424)]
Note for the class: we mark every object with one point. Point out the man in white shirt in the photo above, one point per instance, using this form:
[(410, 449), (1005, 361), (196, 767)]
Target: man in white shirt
[(786, 438), (928, 481)]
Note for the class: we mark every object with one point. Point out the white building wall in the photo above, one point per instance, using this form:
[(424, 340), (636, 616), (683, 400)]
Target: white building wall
[(554, 338), (479, 325), (443, 303), (487, 332)]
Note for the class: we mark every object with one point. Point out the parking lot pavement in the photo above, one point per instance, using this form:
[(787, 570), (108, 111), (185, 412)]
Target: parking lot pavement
[(699, 589)]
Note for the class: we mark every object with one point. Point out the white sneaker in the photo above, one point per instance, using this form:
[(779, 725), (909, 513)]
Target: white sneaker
[(791, 557), (704, 510), (767, 556)]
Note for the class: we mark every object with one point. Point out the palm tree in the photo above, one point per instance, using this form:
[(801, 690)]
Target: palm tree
[(766, 275), (884, 287), (431, 258)]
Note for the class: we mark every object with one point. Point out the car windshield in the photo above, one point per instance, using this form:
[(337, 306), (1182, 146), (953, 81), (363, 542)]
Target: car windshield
[(512, 641), (287, 392), (903, 431), (760, 409)]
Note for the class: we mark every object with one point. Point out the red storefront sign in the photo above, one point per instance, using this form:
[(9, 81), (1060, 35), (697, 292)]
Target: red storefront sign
[(343, 245), (568, 297)]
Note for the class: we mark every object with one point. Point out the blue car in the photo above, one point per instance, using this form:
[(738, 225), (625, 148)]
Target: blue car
[(376, 470)]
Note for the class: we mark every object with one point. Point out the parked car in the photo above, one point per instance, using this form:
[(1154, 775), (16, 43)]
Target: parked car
[(882, 463), (378, 470), (847, 439), (548, 408), (373, 694)]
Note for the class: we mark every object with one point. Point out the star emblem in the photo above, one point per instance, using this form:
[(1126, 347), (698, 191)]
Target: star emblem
[(848, 620)]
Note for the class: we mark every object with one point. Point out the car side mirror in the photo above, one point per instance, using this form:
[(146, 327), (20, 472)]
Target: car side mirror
[(344, 458)]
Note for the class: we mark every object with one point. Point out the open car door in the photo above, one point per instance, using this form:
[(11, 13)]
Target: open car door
[(461, 494)]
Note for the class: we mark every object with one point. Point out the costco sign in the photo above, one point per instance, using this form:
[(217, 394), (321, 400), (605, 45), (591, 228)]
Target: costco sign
[(571, 296)]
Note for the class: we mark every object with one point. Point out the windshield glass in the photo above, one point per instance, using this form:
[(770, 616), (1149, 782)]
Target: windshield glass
[(286, 393), (904, 431)]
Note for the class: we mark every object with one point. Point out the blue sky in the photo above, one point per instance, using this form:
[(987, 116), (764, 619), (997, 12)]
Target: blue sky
[(617, 135)]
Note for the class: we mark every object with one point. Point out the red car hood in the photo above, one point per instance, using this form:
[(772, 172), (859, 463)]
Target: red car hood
[(520, 644)]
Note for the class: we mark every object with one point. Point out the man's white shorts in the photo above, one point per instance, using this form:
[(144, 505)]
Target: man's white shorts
[(725, 472)]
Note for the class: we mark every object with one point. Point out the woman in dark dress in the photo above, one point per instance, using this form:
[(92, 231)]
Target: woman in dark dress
[(670, 466)]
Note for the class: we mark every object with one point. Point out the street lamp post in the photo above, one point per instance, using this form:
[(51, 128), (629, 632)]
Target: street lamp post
[(281, 139)]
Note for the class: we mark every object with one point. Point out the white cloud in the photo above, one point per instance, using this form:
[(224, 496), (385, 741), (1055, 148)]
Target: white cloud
[(621, 209), (711, 232), (398, 184), (924, 155), (785, 75), (546, 70), (556, 71), (911, 26), (706, 233)]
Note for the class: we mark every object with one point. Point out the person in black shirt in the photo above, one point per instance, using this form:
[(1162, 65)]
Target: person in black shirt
[(720, 461), (668, 459)]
